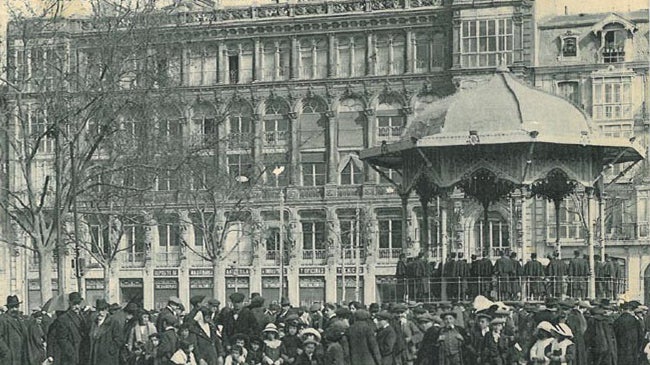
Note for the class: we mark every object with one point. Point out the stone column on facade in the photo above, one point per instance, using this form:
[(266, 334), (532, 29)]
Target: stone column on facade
[(410, 54), (259, 252), (371, 54), (332, 58), (406, 221), (295, 151), (332, 155), (222, 65), (184, 224), (334, 254), (455, 49), (294, 235), (257, 60), (258, 141), (150, 242), (295, 58), (370, 232)]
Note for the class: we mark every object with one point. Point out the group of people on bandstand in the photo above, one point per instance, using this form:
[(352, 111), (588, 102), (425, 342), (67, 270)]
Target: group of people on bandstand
[(508, 278)]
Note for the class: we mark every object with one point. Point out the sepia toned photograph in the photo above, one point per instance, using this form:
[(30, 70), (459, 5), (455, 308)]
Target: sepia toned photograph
[(324, 182)]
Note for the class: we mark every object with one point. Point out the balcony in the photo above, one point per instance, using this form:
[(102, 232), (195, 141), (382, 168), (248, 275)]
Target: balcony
[(314, 257), (311, 192), (168, 259), (276, 138), (238, 140), (134, 259), (352, 255), (389, 254), (390, 132)]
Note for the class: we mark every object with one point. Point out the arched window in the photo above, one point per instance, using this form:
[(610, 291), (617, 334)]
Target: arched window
[(276, 123), (204, 124), (240, 124)]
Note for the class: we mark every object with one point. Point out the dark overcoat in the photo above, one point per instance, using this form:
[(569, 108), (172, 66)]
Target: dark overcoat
[(206, 346), (362, 344), (12, 339), (105, 342), (386, 340), (629, 338), (64, 338)]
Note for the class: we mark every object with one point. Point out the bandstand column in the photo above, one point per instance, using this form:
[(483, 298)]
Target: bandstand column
[(404, 196), (444, 245), (590, 241)]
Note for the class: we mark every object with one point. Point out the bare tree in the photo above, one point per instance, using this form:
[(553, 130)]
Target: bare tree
[(63, 115)]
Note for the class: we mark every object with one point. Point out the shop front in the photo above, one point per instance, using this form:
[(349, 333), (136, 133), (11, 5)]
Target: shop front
[(94, 290), (311, 285), (165, 285), (201, 282), (271, 284), (238, 280), (131, 290)]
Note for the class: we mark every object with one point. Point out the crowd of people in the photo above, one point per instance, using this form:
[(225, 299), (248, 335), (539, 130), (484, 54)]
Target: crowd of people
[(250, 331), (508, 278)]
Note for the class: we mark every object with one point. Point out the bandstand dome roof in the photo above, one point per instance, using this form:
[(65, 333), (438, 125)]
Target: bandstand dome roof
[(504, 104), (501, 112)]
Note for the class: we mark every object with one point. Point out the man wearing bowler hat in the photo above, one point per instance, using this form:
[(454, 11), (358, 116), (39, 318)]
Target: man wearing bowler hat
[(64, 342), (12, 334)]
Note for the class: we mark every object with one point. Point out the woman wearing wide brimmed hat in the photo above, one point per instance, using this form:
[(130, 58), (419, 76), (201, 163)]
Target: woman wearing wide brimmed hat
[(544, 335), (562, 349), (272, 345)]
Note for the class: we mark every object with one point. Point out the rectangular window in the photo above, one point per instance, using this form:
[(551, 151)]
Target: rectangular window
[(612, 99), (167, 180), (614, 46), (135, 238), (569, 47), (313, 235), (392, 175), (314, 171), (201, 67), (486, 43), (569, 90), (100, 239), (170, 130), (390, 233), (390, 126), (570, 221), (240, 165), (423, 52), (276, 131), (38, 131), (275, 61), (169, 235)]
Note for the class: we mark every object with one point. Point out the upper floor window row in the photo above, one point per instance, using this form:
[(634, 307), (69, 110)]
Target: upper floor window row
[(486, 42), (235, 62)]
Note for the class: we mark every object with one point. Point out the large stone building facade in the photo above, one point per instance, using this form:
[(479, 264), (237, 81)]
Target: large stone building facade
[(307, 86)]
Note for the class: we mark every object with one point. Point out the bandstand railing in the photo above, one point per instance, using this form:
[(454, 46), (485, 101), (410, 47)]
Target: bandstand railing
[(429, 289)]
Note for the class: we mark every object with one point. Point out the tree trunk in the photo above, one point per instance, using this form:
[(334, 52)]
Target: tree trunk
[(109, 294), (218, 281), (45, 274)]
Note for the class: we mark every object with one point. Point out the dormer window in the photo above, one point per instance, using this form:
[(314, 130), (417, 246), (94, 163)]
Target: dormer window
[(615, 33), (569, 46), (614, 45)]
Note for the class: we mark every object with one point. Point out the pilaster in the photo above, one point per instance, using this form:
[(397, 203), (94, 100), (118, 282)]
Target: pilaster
[(295, 151), (257, 59), (295, 58), (332, 155), (410, 59)]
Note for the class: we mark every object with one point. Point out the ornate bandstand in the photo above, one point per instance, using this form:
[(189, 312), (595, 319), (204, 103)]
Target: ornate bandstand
[(503, 139)]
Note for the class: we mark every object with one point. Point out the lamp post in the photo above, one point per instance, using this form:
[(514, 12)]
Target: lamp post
[(277, 172)]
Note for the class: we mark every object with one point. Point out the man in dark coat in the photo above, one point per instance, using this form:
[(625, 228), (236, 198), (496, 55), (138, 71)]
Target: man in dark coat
[(578, 271), (105, 337), (629, 336), (474, 274), (168, 338), (428, 351), (576, 320), (449, 273), (400, 276), (386, 338), (609, 275), (556, 270), (12, 334), (504, 270), (66, 334), (463, 271), (515, 284), (172, 309), (240, 319), (208, 346), (534, 274), (486, 272), (362, 343)]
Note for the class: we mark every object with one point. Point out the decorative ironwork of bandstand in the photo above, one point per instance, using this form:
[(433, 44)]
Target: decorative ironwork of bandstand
[(500, 139)]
